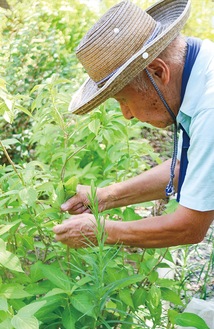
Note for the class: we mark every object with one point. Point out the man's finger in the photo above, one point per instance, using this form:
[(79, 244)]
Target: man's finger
[(60, 229), (70, 203)]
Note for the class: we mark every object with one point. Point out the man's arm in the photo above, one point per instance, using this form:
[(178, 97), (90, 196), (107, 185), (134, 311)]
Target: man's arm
[(148, 186), (184, 226)]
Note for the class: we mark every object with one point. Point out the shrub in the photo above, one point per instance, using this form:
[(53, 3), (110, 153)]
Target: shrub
[(43, 283)]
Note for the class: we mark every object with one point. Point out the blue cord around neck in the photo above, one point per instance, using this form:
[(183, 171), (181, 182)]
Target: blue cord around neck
[(170, 187), (193, 47)]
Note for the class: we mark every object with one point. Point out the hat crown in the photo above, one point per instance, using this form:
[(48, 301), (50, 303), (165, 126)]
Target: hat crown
[(115, 38)]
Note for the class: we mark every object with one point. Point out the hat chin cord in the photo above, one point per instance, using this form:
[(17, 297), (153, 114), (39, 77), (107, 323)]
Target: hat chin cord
[(170, 190)]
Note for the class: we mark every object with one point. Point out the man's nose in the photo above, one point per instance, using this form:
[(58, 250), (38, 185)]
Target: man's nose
[(126, 112)]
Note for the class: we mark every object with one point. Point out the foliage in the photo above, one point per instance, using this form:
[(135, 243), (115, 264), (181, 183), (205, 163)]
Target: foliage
[(61, 288), (44, 284), (93, 288), (38, 38), (37, 44)]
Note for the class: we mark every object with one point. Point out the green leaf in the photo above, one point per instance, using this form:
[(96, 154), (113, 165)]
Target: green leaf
[(171, 296), (153, 277), (126, 297), (54, 302), (171, 206), (24, 322), (129, 214), (6, 324), (81, 282), (36, 87), (190, 320), (84, 303), (154, 296), (23, 109), (162, 282), (114, 275), (70, 187), (10, 141), (172, 315), (11, 210), (13, 291), (57, 277), (155, 311), (139, 297), (69, 317), (6, 227), (2, 245), (10, 261), (122, 283), (165, 253), (94, 126), (54, 292), (3, 304), (36, 273), (60, 193), (8, 116), (28, 195), (31, 309)]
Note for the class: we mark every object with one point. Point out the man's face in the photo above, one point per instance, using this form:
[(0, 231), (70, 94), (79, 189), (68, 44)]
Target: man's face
[(146, 106)]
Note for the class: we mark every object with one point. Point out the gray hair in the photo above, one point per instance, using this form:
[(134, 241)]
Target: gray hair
[(174, 53)]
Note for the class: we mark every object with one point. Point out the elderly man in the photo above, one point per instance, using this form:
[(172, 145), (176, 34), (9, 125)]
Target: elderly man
[(157, 76)]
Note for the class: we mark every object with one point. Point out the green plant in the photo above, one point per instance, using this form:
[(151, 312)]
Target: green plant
[(97, 287), (43, 283)]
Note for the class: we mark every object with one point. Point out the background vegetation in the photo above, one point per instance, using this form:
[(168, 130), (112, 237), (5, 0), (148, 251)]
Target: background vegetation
[(43, 284)]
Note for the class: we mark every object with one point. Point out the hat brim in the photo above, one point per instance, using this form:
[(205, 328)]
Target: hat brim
[(89, 95)]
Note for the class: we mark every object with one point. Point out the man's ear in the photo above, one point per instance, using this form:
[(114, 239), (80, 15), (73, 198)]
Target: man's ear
[(160, 71)]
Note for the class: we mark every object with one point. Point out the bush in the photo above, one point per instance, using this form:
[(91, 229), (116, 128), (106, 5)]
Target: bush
[(43, 283)]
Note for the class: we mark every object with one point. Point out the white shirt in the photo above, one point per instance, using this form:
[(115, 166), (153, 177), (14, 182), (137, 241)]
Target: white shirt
[(196, 115)]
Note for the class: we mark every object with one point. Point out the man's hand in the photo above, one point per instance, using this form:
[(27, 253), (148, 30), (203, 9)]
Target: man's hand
[(184, 226), (78, 231), (80, 204)]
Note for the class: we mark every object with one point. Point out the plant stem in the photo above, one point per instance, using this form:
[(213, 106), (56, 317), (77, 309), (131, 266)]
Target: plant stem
[(70, 156), (68, 260), (12, 163)]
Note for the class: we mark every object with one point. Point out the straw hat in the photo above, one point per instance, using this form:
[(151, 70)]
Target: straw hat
[(121, 44)]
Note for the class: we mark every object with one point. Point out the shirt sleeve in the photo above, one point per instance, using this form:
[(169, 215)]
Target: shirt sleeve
[(197, 191)]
